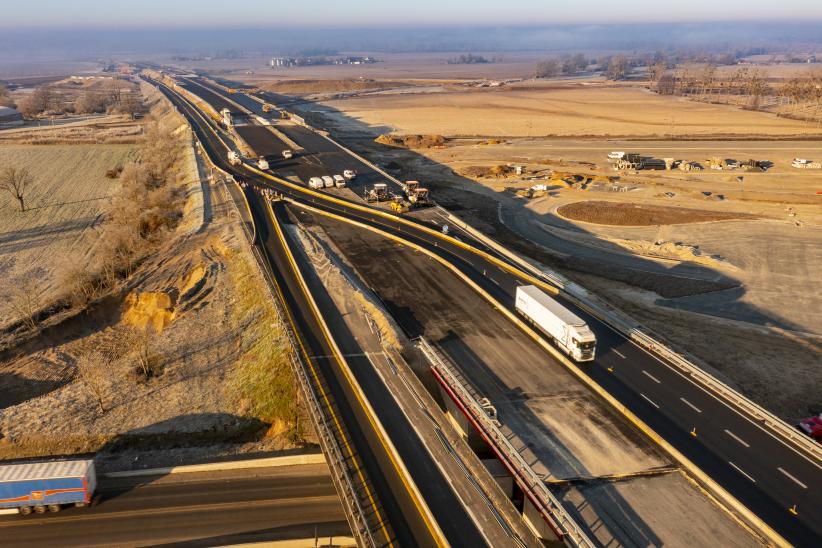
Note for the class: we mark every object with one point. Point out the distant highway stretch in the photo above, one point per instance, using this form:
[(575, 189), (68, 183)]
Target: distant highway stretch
[(778, 482), (198, 509)]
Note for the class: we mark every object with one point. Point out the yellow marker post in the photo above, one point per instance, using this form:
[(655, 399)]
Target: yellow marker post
[(693, 432), (793, 510)]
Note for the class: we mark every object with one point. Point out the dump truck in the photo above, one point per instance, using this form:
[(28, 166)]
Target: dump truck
[(616, 155), (328, 181), (315, 182), (567, 330), (47, 486), (234, 158), (350, 174), (339, 181)]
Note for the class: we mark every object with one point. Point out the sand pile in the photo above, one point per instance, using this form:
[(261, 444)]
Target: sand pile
[(149, 308), (411, 141)]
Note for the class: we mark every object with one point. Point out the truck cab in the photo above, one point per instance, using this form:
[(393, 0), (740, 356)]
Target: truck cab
[(583, 343)]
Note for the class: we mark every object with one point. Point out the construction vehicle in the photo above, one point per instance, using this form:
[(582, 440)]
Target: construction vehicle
[(567, 330), (801, 163), (339, 181), (616, 155), (419, 197), (287, 154), (262, 163), (234, 158), (315, 182), (226, 115), (378, 193), (47, 486), (398, 205), (629, 161), (232, 91), (328, 181), (266, 108), (350, 174)]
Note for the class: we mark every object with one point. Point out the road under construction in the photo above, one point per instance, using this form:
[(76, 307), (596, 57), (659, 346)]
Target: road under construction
[(772, 478)]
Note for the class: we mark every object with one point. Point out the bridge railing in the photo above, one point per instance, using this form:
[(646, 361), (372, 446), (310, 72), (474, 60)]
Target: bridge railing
[(529, 481)]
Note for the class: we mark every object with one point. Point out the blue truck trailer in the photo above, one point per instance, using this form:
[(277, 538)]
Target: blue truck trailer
[(46, 486)]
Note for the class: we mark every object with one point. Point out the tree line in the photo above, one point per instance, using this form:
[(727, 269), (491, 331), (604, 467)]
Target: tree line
[(115, 98)]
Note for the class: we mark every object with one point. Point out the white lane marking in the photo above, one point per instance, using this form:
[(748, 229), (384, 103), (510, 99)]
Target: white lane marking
[(802, 485), (737, 438), (715, 397), (492, 279), (618, 353), (738, 469), (649, 400), (692, 406), (652, 377)]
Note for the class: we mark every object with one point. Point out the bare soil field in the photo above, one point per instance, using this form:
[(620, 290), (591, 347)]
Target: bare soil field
[(113, 129), (628, 214), (299, 87), (571, 109), (65, 205)]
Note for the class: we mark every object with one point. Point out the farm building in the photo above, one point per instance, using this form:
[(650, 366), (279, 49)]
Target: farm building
[(10, 118)]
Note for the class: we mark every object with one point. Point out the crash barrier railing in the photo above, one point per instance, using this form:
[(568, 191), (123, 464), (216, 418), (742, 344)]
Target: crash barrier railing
[(529, 481), (631, 329), (330, 445)]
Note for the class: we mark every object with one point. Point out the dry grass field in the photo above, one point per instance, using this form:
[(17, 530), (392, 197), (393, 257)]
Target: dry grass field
[(64, 205), (562, 110)]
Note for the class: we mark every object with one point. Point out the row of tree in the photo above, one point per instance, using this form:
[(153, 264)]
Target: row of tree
[(116, 97), (744, 86), (567, 65)]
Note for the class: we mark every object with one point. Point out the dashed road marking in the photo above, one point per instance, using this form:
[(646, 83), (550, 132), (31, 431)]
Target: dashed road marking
[(649, 400), (737, 438), (692, 406), (652, 377), (802, 485), (738, 469), (618, 353)]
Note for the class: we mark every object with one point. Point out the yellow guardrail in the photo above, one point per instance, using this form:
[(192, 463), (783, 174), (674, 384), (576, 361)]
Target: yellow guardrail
[(416, 497)]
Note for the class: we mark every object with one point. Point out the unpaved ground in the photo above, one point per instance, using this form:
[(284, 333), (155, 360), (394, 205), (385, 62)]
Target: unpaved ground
[(564, 109), (64, 211), (628, 214)]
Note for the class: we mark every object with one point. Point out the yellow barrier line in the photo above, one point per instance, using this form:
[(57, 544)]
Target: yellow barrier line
[(728, 499), (308, 360), (304, 289)]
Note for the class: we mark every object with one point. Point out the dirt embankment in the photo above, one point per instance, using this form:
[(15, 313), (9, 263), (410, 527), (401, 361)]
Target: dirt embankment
[(626, 214), (325, 86), (411, 141)]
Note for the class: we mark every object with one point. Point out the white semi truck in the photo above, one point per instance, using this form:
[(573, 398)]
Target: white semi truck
[(570, 333)]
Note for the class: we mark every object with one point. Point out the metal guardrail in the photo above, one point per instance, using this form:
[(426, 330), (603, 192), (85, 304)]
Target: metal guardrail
[(634, 331), (331, 448), (533, 486)]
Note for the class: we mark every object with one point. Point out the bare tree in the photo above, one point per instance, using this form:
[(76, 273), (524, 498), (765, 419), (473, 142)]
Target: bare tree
[(548, 68), (141, 340), (657, 70), (617, 68), (5, 97), (16, 182), (24, 300), (94, 369)]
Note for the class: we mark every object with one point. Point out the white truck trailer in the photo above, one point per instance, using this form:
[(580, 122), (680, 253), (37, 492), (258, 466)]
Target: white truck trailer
[(315, 183), (568, 331), (339, 181)]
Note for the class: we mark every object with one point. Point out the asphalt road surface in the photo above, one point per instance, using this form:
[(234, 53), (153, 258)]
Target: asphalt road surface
[(761, 471), (205, 509)]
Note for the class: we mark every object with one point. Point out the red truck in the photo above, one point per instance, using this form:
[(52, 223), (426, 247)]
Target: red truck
[(812, 426)]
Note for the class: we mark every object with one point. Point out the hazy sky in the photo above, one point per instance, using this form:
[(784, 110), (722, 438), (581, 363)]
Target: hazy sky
[(374, 13)]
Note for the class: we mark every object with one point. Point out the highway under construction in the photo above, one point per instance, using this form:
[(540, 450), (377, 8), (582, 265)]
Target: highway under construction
[(619, 442)]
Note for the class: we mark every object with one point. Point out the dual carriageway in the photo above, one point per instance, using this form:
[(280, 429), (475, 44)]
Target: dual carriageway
[(774, 478)]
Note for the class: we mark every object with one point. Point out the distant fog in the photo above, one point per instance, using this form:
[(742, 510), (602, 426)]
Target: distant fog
[(21, 45)]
